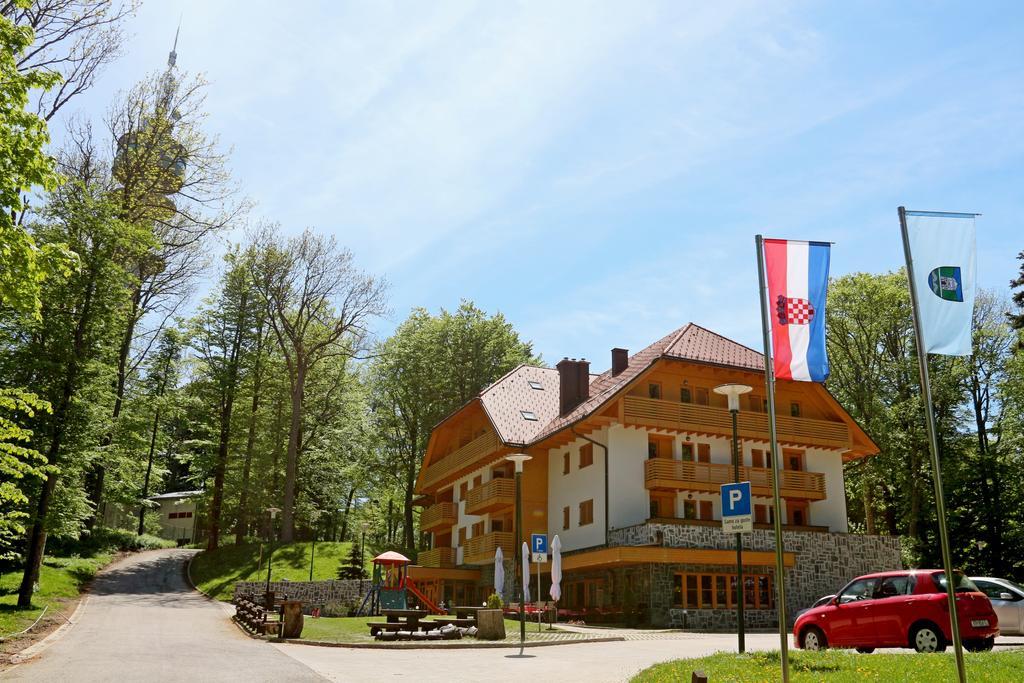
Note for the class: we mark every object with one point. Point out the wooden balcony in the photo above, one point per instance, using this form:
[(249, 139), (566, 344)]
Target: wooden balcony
[(690, 417), (495, 495), (439, 517), (437, 557), (680, 475), (461, 458), (480, 549)]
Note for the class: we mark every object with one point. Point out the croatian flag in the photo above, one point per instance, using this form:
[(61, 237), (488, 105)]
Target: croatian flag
[(797, 284)]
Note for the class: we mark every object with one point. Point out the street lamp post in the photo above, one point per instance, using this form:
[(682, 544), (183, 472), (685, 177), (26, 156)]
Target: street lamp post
[(733, 392), (312, 551), (270, 560), (519, 459)]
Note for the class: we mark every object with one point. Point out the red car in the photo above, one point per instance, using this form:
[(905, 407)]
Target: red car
[(899, 609)]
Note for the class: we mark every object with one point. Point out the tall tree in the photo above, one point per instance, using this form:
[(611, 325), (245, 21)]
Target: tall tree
[(1017, 317), (223, 334), (427, 368), (73, 332), (320, 306)]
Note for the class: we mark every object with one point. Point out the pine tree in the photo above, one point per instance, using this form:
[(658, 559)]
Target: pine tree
[(352, 567)]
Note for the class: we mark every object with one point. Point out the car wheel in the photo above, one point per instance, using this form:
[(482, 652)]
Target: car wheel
[(865, 650), (814, 639), (927, 638)]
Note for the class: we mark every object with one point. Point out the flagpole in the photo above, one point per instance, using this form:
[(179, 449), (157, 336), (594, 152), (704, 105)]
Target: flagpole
[(933, 449), (769, 378)]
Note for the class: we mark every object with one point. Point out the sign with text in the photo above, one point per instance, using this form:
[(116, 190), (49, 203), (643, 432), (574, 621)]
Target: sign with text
[(736, 508), (539, 543)]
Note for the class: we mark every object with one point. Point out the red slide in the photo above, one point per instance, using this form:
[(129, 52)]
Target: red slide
[(427, 602)]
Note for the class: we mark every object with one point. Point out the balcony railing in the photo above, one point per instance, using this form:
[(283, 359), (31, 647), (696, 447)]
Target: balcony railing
[(682, 475), (438, 517), (461, 458), (480, 549), (697, 418), (437, 557), (495, 495)]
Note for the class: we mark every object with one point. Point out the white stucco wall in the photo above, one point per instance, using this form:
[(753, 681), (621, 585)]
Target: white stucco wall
[(830, 512), (572, 489), (629, 502)]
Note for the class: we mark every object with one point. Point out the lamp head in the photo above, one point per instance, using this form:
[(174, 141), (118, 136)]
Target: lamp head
[(733, 392), (273, 512), (519, 459)]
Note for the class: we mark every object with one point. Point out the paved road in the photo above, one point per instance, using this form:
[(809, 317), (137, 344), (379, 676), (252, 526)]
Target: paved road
[(143, 622)]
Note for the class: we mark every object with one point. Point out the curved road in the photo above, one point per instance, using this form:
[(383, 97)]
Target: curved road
[(142, 621)]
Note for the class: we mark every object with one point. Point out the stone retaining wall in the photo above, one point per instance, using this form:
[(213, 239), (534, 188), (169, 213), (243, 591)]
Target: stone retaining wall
[(825, 562), (311, 593)]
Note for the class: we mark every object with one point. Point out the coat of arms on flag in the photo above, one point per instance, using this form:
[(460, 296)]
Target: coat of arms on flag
[(794, 310), (945, 282)]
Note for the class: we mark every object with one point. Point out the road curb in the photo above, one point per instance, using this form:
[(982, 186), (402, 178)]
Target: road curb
[(443, 645)]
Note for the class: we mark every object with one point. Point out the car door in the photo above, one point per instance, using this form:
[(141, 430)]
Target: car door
[(1010, 611), (850, 623), (889, 608)]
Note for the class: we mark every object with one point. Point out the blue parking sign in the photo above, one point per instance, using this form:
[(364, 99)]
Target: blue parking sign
[(539, 543), (736, 499), (736, 517)]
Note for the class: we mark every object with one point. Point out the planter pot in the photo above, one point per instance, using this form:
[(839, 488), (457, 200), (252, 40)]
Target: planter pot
[(490, 624)]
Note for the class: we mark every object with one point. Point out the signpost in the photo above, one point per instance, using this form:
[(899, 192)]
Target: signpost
[(539, 555), (737, 519)]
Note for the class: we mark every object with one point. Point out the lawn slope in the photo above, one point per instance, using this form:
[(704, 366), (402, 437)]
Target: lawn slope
[(216, 572)]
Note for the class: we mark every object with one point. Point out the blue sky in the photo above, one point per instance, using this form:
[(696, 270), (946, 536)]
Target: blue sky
[(596, 170)]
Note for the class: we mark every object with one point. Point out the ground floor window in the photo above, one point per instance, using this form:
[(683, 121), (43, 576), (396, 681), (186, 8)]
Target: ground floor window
[(718, 591)]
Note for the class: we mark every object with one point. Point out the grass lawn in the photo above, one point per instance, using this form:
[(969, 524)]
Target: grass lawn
[(217, 572), (355, 630), (60, 579), (840, 665)]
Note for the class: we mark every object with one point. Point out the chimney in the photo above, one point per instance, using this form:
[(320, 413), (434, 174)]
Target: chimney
[(620, 361), (573, 383)]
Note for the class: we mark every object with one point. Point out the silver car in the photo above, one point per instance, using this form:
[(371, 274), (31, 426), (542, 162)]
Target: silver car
[(1008, 602)]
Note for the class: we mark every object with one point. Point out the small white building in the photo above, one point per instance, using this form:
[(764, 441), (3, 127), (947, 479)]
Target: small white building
[(177, 514)]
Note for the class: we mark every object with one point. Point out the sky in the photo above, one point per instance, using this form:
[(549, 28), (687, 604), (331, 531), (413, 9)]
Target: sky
[(597, 171)]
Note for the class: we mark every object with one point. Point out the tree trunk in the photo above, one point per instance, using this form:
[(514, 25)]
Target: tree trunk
[(410, 483), (37, 533), (241, 528), (869, 507), (292, 458), (149, 470), (97, 475), (348, 506)]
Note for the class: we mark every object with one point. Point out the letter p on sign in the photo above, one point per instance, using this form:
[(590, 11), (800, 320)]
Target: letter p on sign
[(735, 496)]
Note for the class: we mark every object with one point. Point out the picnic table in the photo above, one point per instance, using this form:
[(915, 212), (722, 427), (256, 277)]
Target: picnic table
[(398, 620)]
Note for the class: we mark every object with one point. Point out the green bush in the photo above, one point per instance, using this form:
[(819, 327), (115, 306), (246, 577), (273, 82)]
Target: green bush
[(104, 540), (494, 601)]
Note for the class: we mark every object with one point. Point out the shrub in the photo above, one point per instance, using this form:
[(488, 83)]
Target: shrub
[(494, 601), (103, 539)]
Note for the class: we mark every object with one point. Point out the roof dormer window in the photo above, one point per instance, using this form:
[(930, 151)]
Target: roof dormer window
[(528, 415)]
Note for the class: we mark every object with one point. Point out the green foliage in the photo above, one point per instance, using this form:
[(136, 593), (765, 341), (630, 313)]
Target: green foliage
[(104, 540), (23, 165), (17, 462), (494, 601), (354, 565), (842, 666)]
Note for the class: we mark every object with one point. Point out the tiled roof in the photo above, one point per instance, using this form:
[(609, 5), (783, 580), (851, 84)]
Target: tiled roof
[(504, 400), (690, 342)]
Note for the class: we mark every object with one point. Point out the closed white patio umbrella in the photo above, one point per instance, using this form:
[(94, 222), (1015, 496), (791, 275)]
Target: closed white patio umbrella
[(499, 572), (526, 573), (556, 568)]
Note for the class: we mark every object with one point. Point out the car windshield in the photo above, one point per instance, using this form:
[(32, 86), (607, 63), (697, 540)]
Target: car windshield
[(961, 584)]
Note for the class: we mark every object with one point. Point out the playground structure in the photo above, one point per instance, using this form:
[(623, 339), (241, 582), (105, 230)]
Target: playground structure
[(391, 587)]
